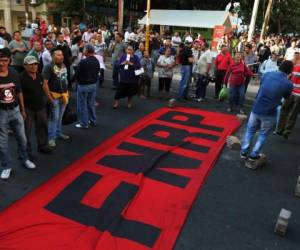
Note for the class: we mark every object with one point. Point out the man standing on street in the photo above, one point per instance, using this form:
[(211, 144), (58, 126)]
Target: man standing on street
[(203, 71), (46, 54), (35, 102), (186, 56), (67, 54), (12, 115), (273, 87), (118, 50), (18, 48), (56, 88), (87, 77)]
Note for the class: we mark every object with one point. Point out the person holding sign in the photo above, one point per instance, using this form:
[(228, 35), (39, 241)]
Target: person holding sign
[(129, 69)]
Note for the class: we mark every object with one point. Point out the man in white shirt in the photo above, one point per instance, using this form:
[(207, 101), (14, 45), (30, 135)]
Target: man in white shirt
[(270, 65), (86, 37), (289, 55), (46, 55), (126, 35), (176, 40), (202, 71), (3, 43)]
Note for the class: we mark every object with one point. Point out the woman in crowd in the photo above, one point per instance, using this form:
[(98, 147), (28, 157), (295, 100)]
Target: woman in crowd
[(165, 65), (128, 85), (235, 77)]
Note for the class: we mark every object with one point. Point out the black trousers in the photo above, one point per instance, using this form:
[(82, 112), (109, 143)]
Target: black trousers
[(101, 77), (164, 84), (145, 82), (39, 119), (220, 74)]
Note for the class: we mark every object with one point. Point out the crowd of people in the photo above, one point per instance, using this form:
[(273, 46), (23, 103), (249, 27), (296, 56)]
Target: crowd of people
[(38, 76)]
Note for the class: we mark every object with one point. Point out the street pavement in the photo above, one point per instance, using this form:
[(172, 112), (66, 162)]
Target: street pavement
[(236, 208)]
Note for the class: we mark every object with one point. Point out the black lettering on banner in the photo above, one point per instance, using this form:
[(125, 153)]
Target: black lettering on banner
[(175, 137), (108, 216), (149, 161), (188, 120)]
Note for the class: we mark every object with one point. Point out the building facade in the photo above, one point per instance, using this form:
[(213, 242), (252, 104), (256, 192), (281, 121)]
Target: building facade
[(12, 13)]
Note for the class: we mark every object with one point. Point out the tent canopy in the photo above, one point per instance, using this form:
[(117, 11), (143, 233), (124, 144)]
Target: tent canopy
[(188, 18)]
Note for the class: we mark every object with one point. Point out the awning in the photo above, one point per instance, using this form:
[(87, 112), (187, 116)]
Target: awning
[(188, 18)]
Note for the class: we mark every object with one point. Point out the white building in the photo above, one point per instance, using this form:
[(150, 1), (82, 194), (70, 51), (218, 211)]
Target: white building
[(12, 13)]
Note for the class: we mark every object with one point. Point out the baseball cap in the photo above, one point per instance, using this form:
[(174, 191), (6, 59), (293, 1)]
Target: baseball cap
[(30, 60), (188, 40)]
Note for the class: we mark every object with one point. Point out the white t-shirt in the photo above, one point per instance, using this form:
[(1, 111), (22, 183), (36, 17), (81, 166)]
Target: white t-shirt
[(164, 72), (176, 40), (87, 36), (289, 55), (46, 58), (126, 36), (204, 60)]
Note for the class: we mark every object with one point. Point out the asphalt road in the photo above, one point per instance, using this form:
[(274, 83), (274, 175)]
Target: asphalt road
[(236, 208)]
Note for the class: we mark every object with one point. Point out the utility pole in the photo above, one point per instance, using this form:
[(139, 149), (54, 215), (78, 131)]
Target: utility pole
[(26, 12), (266, 20), (120, 15), (148, 26), (253, 20)]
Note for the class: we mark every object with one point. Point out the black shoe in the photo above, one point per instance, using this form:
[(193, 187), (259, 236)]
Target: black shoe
[(45, 150), (243, 155), (92, 124), (252, 159), (285, 135), (277, 133)]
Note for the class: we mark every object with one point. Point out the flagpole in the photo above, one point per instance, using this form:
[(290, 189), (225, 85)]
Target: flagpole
[(148, 26), (253, 20)]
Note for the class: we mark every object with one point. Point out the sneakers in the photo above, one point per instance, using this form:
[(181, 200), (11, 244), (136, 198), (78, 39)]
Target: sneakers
[(78, 125), (6, 173), (199, 100), (63, 137), (52, 144), (229, 110), (29, 164)]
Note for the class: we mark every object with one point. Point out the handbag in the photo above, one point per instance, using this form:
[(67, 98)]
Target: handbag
[(223, 95), (69, 116)]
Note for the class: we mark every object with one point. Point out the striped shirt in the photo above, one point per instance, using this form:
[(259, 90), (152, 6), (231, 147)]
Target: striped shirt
[(295, 79)]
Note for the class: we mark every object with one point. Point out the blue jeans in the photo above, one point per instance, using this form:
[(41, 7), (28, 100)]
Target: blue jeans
[(262, 123), (55, 119), (86, 96), (154, 56), (202, 82), (236, 95), (115, 74), (12, 119), (184, 82)]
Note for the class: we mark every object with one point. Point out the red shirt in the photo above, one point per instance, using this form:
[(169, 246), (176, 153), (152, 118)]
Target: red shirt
[(236, 74), (34, 39), (295, 79), (222, 61)]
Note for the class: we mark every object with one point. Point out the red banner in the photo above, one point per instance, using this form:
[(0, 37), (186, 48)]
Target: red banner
[(134, 191), (219, 31)]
